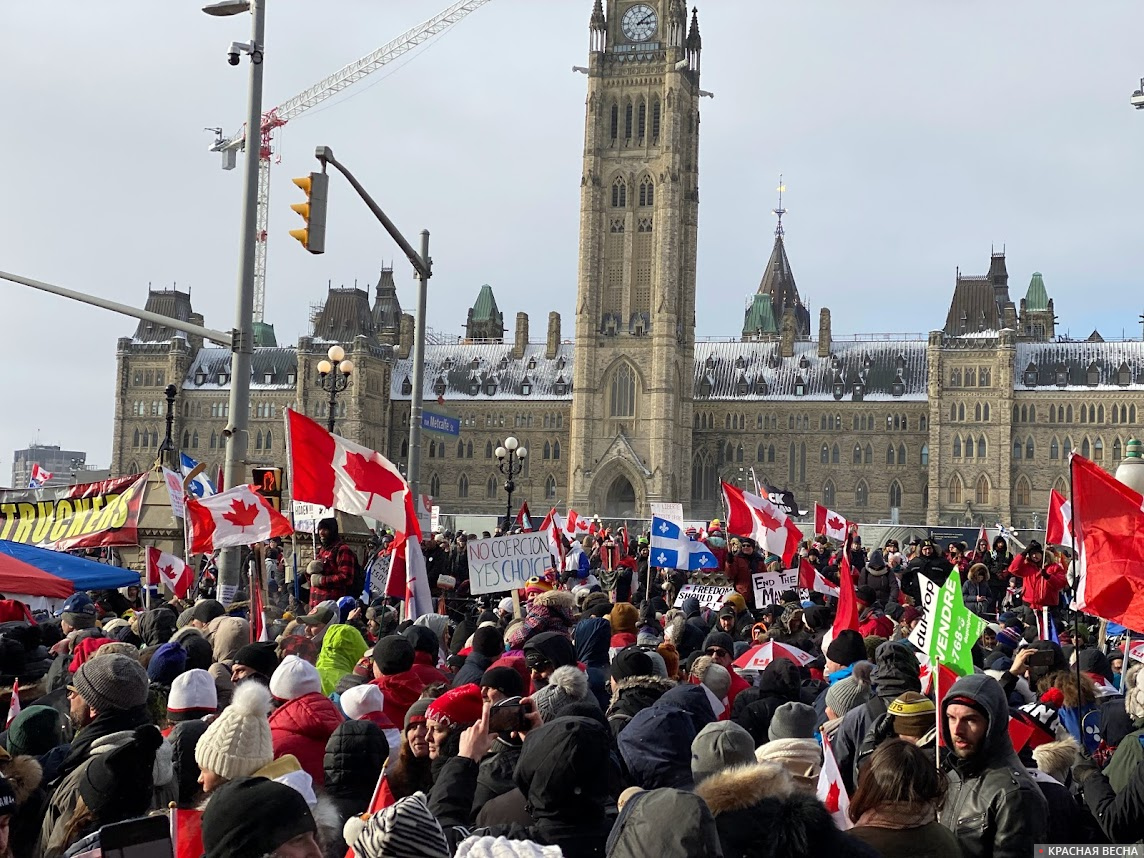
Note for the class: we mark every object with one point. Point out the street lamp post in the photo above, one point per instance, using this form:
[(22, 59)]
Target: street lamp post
[(242, 344), (333, 382), (168, 445), (510, 462)]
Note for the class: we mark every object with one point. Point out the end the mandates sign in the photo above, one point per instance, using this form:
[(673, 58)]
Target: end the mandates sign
[(504, 563)]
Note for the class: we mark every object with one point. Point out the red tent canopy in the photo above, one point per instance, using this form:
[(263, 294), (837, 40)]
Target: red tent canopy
[(20, 578)]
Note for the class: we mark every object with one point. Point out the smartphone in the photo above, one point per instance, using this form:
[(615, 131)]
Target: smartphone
[(508, 717), (148, 837), (1041, 658)]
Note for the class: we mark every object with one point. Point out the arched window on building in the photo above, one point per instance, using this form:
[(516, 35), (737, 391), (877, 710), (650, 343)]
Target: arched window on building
[(828, 493), (435, 486), (891, 455), (901, 454), (982, 448), (955, 489), (969, 447), (404, 447), (1024, 491), (1018, 448), (861, 494), (555, 450), (1085, 450), (825, 456), (981, 493), (1116, 450), (957, 446), (463, 486), (619, 193), (647, 192), (1098, 450), (550, 488), (869, 458), (1029, 447), (547, 452), (925, 455), (702, 476), (834, 455), (623, 399), (895, 495), (857, 454)]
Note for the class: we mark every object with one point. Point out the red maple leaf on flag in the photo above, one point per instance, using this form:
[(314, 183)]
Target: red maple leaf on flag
[(835, 523), (769, 521), (372, 477), (242, 515), (166, 572), (831, 801)]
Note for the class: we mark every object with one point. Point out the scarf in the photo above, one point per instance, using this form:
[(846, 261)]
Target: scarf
[(898, 815)]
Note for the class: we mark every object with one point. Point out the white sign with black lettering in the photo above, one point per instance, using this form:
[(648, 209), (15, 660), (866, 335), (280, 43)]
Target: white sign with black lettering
[(503, 563), (670, 511), (709, 597), (770, 585)]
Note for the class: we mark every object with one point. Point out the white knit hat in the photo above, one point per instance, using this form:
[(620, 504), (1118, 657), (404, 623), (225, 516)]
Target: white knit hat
[(361, 700), (502, 847), (293, 678), (237, 743), (194, 689)]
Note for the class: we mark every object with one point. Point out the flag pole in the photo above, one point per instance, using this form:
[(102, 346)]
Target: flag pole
[(937, 712)]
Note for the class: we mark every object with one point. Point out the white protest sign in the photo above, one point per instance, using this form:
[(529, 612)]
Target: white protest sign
[(434, 518), (670, 511), (920, 636), (1135, 650), (503, 563), (175, 489), (307, 515), (770, 585), (709, 596)]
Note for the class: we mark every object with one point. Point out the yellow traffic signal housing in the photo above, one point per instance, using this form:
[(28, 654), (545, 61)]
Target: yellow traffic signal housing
[(268, 483), (313, 211)]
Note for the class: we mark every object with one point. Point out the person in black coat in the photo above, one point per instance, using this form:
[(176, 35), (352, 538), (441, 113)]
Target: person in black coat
[(488, 646), (928, 562)]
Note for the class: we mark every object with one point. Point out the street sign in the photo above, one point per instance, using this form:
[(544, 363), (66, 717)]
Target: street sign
[(431, 422)]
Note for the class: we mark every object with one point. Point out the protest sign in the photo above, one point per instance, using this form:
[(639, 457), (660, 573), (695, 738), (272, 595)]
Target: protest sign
[(770, 585), (175, 489), (710, 597), (1135, 650), (670, 511), (503, 563), (307, 515), (88, 515), (948, 628)]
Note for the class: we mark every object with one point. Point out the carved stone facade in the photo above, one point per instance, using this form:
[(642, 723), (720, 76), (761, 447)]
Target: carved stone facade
[(970, 424)]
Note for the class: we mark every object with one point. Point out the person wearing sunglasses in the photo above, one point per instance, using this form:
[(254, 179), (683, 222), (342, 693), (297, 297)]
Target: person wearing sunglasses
[(721, 648)]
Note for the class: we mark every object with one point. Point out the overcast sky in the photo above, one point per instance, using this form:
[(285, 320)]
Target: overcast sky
[(913, 135)]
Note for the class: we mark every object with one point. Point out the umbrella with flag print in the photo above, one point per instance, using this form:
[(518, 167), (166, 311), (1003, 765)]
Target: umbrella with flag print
[(758, 657)]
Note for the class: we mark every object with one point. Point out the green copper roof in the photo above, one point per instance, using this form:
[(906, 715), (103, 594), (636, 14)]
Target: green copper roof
[(760, 316), (1037, 298), (486, 307), (264, 335)]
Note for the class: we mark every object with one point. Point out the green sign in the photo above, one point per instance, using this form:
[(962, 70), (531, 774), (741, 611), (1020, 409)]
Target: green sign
[(948, 629)]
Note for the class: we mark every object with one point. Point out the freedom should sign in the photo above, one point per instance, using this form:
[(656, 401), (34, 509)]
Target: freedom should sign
[(503, 563), (709, 596), (770, 585)]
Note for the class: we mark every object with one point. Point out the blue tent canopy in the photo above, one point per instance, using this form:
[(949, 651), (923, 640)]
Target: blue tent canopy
[(84, 574)]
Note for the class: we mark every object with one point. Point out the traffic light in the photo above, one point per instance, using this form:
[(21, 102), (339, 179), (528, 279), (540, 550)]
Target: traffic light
[(313, 211), (268, 483)]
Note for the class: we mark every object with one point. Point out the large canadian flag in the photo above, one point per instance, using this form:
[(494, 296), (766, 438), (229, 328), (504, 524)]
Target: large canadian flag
[(170, 571), (335, 472), (830, 524), (236, 517), (758, 518), (1058, 527), (1108, 525)]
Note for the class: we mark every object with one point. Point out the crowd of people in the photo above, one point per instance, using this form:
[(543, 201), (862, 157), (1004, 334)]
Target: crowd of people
[(589, 725)]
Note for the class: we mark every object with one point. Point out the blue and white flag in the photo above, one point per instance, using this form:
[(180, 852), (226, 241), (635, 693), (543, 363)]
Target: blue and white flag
[(201, 486), (671, 548)]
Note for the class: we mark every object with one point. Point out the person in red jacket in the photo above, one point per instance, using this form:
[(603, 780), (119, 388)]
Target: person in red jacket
[(304, 722), (338, 565), (393, 674), (1043, 581)]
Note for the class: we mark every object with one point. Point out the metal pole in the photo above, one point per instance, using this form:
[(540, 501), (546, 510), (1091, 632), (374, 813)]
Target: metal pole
[(417, 399), (242, 349), (168, 441), (333, 402)]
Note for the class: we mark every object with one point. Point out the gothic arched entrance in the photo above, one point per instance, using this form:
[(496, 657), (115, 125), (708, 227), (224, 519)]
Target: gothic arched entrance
[(620, 501)]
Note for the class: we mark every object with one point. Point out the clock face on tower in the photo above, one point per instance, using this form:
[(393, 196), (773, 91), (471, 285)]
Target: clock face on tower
[(639, 22)]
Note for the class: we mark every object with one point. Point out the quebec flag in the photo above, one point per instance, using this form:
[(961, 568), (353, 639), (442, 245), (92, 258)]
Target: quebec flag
[(201, 486), (671, 548)]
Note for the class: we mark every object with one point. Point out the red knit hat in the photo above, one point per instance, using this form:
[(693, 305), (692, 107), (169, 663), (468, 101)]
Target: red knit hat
[(458, 707)]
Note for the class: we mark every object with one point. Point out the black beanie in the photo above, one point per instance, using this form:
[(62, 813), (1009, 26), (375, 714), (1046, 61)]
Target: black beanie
[(631, 661), (489, 642), (847, 648), (261, 656), (253, 816), (117, 785), (505, 680), (393, 654)]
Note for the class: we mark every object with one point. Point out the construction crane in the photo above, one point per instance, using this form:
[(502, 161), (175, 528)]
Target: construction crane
[(303, 101)]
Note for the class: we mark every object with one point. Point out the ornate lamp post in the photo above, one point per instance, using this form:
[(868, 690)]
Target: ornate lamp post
[(168, 445), (333, 382), (510, 462)]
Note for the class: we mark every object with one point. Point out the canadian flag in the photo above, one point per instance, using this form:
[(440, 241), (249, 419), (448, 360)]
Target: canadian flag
[(573, 526), (408, 576), (552, 528), (847, 615), (236, 517), (758, 518), (1108, 526), (831, 789), (830, 524), (811, 579), (332, 471), (1058, 526), (13, 704), (170, 571), (39, 476)]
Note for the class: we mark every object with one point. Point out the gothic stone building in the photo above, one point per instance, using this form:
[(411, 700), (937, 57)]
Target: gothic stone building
[(972, 423)]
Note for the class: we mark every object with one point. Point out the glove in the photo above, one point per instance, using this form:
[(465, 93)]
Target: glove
[(1084, 770), (316, 580)]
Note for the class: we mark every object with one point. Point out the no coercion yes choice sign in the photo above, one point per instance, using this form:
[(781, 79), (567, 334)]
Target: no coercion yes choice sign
[(88, 515), (504, 563)]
